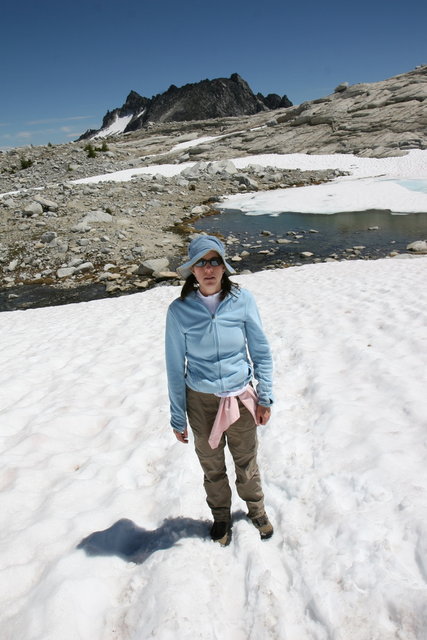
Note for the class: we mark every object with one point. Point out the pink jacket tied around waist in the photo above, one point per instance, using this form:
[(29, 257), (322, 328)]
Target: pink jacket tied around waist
[(228, 413)]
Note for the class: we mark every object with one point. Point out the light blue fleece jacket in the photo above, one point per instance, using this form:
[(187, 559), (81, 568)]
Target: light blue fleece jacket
[(215, 353)]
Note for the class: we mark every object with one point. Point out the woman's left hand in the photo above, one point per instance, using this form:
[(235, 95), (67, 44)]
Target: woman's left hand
[(262, 414)]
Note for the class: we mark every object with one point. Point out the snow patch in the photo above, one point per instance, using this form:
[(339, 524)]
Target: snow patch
[(104, 522), (118, 125)]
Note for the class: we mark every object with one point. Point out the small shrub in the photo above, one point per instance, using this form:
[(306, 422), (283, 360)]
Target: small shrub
[(26, 163), (91, 153)]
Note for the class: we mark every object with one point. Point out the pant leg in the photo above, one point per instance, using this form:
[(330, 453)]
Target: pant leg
[(201, 410), (242, 441)]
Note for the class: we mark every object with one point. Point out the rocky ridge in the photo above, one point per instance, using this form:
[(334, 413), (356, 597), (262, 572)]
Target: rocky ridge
[(56, 231), (203, 100)]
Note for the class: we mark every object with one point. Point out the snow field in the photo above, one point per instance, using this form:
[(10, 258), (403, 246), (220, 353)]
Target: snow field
[(86, 447)]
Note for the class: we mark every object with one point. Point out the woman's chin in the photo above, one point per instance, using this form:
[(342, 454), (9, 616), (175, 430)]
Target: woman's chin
[(209, 289)]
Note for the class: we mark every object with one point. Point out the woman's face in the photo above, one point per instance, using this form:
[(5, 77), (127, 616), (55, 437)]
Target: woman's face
[(209, 277)]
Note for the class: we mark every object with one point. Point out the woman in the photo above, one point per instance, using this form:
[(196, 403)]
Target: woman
[(214, 342)]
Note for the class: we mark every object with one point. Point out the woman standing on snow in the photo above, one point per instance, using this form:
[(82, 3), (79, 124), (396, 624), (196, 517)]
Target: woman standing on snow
[(214, 342)]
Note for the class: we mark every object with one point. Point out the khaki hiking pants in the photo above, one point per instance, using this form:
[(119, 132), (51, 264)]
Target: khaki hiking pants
[(242, 441)]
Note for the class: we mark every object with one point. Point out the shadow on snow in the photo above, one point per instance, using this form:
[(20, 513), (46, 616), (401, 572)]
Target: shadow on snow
[(135, 544)]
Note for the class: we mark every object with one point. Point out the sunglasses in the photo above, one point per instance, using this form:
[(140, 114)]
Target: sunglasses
[(214, 262)]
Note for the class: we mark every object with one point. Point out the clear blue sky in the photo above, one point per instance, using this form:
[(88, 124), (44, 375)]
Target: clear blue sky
[(64, 64)]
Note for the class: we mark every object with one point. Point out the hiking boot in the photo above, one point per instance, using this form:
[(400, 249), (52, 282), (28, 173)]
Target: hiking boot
[(221, 532), (264, 526)]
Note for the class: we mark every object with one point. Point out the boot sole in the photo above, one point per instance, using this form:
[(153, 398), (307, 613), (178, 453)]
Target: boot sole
[(266, 536)]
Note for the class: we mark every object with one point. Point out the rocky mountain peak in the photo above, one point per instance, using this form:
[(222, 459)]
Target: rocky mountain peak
[(134, 102), (218, 98)]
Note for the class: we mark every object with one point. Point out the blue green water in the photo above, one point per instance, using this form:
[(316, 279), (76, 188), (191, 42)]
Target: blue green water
[(413, 184)]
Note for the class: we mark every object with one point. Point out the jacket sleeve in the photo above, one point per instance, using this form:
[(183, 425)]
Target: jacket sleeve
[(175, 368), (260, 353)]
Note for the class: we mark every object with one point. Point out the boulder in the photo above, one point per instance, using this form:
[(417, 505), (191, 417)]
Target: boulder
[(84, 267), (222, 167), (164, 275), (48, 237), (342, 87), (47, 205), (12, 265), (97, 216), (200, 209), (75, 262), (80, 227), (148, 267), (32, 209), (65, 272), (248, 182), (419, 246), (194, 172)]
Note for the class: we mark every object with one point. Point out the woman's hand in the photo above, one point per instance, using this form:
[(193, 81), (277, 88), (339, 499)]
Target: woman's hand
[(182, 437), (262, 414)]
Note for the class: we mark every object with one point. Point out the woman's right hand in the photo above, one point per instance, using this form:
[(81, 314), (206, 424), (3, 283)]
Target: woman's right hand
[(182, 437)]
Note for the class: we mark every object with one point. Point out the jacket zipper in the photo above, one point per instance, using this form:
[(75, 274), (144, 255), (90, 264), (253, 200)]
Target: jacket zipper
[(215, 331), (214, 316)]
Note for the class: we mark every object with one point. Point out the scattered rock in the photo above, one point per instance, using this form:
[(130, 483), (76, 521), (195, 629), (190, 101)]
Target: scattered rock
[(120, 224)]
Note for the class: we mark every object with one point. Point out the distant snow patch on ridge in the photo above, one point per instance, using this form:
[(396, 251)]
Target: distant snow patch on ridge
[(125, 175), (193, 143), (202, 140), (118, 125)]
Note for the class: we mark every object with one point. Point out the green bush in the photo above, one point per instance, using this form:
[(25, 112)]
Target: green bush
[(91, 153), (26, 163)]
